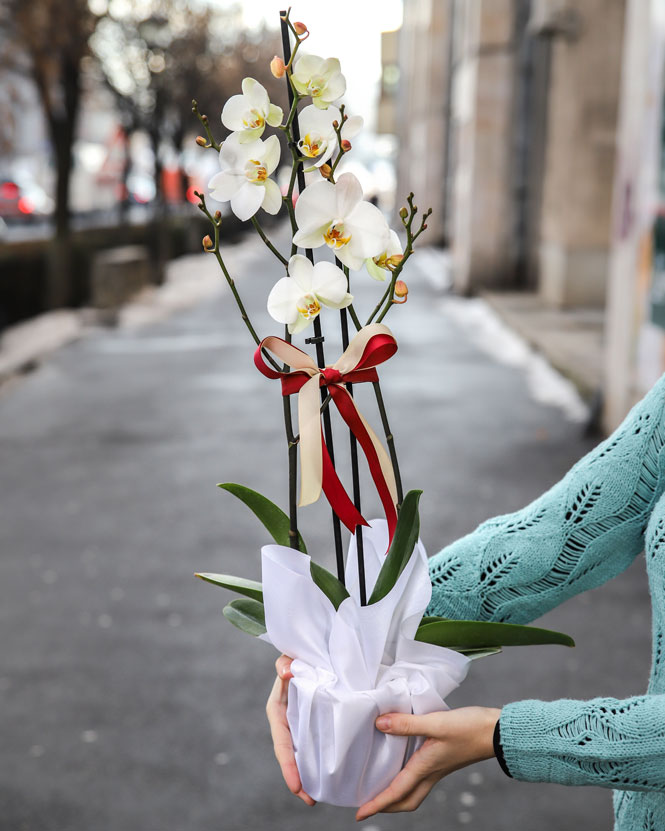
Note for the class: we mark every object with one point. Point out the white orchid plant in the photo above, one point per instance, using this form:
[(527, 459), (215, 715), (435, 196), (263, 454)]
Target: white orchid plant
[(353, 241)]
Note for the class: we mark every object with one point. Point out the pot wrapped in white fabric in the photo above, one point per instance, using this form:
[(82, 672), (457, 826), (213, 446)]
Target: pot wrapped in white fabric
[(352, 664)]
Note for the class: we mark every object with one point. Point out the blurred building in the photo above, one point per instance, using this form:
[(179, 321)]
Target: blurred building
[(532, 128)]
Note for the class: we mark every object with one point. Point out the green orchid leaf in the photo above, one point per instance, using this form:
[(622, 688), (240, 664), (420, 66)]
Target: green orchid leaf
[(246, 614), (401, 549), (431, 619), (473, 654), (477, 634), (250, 588), (275, 520), (333, 589)]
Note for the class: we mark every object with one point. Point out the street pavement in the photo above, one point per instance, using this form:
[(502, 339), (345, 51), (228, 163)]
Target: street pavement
[(127, 702)]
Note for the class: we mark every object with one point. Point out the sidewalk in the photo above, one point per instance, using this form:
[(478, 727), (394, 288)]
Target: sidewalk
[(570, 339)]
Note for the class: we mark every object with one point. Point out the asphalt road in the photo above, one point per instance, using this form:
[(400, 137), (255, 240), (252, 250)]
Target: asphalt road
[(127, 702)]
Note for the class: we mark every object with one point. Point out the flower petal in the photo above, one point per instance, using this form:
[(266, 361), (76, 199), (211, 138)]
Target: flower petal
[(246, 202), (257, 97), (394, 245), (275, 115), (352, 126), (342, 303), (375, 271), (272, 198), (300, 324), (329, 283), (234, 153), (224, 185), (247, 136), (348, 194), (306, 66), (316, 206), (348, 258), (370, 234), (310, 237), (270, 152), (233, 112), (282, 301), (302, 273), (329, 68)]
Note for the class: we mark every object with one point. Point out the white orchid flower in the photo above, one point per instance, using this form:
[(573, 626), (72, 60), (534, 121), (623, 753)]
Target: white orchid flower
[(336, 215), (297, 299), (388, 260), (244, 178), (248, 114), (319, 139), (319, 78)]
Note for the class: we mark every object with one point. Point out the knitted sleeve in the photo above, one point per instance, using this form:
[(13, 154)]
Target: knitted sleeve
[(585, 530), (606, 742)]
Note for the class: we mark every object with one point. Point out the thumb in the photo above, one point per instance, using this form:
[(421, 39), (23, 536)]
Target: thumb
[(401, 724)]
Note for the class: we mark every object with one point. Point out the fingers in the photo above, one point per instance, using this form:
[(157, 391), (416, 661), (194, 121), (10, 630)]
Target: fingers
[(281, 737), (406, 781), (401, 724), (283, 666), (413, 800)]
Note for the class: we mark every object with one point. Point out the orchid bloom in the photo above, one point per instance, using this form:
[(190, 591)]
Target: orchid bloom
[(248, 114), (297, 299), (388, 260), (318, 134), (244, 176), (337, 216), (319, 78)]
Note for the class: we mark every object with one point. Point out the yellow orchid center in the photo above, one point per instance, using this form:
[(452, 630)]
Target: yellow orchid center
[(253, 119), (390, 263), (335, 235), (311, 145), (256, 171), (315, 87), (308, 306)]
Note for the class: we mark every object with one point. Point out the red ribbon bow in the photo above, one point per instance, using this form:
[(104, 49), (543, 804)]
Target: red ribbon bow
[(371, 346)]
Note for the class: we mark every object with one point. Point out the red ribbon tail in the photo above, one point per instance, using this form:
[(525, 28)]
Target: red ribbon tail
[(350, 415), (337, 496)]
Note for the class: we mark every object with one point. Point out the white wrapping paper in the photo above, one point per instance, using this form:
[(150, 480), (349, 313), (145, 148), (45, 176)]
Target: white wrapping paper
[(353, 664)]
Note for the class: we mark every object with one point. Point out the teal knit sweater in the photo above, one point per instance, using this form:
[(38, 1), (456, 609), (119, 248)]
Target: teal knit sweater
[(585, 530)]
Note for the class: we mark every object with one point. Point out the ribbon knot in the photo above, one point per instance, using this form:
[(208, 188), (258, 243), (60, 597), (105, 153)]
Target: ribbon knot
[(331, 375), (371, 346)]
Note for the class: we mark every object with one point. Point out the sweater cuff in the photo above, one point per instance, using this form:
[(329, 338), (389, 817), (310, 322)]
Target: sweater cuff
[(498, 749), (538, 745)]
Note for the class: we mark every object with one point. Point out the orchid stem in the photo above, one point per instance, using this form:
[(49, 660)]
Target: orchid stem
[(259, 230)]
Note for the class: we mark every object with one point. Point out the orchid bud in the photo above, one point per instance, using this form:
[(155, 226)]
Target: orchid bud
[(401, 290), (300, 28), (335, 124), (277, 67), (204, 119), (346, 145), (201, 141), (207, 243), (218, 217), (326, 171), (403, 213), (394, 261)]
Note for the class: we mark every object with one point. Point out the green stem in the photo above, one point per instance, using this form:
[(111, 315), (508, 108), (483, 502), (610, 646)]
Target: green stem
[(204, 123), (243, 312), (390, 441), (377, 308), (259, 230)]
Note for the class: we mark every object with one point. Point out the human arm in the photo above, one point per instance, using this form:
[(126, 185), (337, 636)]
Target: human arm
[(585, 530)]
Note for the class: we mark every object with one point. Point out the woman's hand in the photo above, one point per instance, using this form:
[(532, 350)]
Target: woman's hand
[(279, 728), (454, 739)]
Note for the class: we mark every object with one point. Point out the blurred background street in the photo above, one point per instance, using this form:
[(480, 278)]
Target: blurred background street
[(127, 700), (535, 319)]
